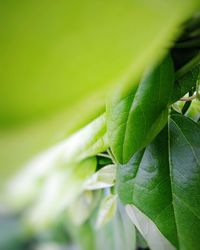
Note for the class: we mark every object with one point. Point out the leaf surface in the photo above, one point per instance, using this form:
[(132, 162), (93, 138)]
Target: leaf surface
[(89, 141), (107, 210), (148, 229), (186, 79), (54, 56), (184, 162), (165, 186), (60, 189), (119, 233), (135, 120)]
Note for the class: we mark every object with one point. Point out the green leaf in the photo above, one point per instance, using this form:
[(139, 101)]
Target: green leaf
[(72, 48), (186, 79), (184, 149), (83, 235), (145, 182), (88, 141), (59, 190), (117, 234), (103, 178), (166, 186), (148, 229), (80, 210), (107, 210), (54, 56), (135, 120), (194, 110)]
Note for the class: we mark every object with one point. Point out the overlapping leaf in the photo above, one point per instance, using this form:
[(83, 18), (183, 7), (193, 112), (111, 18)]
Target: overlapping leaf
[(117, 234), (54, 55), (145, 182), (135, 120), (184, 150), (89, 141), (185, 79), (164, 185), (59, 190)]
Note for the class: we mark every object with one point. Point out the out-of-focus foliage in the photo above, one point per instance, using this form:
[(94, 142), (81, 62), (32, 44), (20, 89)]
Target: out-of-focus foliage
[(107, 210), (53, 180), (117, 234), (59, 63), (103, 178), (54, 55)]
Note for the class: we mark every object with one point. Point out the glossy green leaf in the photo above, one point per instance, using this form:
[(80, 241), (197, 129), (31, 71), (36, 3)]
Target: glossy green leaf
[(55, 55), (184, 149), (145, 182), (165, 186), (135, 120), (148, 229)]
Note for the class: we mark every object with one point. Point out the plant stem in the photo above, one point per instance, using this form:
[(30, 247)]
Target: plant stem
[(188, 99), (104, 155), (111, 156)]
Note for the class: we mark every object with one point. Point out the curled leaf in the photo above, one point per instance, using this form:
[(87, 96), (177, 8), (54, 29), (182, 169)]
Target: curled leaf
[(107, 210), (82, 207), (103, 178)]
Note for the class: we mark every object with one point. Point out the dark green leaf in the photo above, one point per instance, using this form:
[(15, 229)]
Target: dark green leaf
[(185, 179), (186, 79), (135, 120), (145, 182), (166, 186)]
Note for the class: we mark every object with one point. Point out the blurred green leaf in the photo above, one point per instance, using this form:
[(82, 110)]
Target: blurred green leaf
[(194, 110), (103, 178), (12, 234), (83, 235), (117, 234), (88, 141), (56, 54), (80, 210), (107, 210), (61, 188)]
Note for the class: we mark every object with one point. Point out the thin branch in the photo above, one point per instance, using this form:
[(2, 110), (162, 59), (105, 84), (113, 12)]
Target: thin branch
[(112, 156), (188, 99), (104, 155)]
